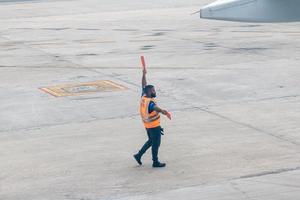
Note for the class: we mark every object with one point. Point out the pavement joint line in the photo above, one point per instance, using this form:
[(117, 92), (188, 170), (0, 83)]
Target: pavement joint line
[(249, 126), (266, 173), (279, 184), (255, 100), (272, 98)]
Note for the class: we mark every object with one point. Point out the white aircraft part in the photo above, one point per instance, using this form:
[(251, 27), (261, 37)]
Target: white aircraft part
[(253, 10)]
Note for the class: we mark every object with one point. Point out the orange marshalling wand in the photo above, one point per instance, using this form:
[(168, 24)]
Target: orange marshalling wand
[(143, 62)]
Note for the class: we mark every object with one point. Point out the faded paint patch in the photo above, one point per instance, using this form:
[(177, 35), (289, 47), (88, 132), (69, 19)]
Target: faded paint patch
[(83, 88)]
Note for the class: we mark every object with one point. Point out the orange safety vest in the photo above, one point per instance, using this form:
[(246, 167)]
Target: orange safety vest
[(151, 120)]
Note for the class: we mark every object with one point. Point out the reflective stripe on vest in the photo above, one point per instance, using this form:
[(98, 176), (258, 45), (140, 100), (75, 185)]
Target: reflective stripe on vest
[(151, 120)]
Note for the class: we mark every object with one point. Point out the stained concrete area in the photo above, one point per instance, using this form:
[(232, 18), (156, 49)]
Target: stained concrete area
[(233, 90)]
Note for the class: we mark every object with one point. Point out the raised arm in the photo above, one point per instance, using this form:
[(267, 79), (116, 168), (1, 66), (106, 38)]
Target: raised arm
[(144, 81)]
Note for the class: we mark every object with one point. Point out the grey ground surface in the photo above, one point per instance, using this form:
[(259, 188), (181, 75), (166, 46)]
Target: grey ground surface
[(233, 90)]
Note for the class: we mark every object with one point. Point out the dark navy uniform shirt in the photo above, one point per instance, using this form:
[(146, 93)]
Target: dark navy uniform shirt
[(151, 104)]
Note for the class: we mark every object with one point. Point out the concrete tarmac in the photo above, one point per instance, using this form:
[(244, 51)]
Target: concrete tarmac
[(233, 90)]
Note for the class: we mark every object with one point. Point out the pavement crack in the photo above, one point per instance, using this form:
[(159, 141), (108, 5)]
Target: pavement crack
[(265, 173), (278, 184), (254, 100)]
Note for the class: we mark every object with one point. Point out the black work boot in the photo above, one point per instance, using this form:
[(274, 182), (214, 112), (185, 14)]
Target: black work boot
[(138, 159), (158, 164)]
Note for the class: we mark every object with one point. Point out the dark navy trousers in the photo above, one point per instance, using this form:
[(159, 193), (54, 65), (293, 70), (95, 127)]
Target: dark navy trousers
[(154, 138)]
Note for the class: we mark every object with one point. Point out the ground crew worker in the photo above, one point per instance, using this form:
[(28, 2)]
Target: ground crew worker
[(150, 114)]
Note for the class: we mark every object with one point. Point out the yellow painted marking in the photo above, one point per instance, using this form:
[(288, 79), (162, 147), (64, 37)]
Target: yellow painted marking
[(51, 92), (83, 88)]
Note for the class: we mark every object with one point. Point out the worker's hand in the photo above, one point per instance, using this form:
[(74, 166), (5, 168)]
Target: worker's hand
[(164, 112), (169, 115)]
